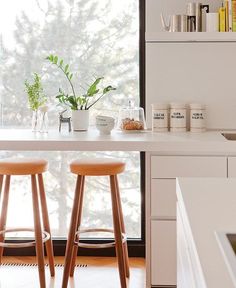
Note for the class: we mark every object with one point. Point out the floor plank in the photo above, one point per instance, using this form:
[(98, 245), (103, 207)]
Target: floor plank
[(102, 272)]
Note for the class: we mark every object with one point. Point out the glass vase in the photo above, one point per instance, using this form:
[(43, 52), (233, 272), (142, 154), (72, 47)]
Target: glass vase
[(35, 121), (43, 119)]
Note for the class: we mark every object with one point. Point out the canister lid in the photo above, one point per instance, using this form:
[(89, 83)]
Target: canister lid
[(177, 105), (197, 106), (160, 106)]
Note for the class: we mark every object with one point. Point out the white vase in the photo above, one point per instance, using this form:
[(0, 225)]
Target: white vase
[(80, 120)]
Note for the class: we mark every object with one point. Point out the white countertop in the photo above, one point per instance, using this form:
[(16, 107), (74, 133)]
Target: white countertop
[(209, 143), (209, 205)]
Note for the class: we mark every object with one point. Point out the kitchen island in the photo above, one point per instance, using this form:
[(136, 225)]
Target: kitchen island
[(206, 211)]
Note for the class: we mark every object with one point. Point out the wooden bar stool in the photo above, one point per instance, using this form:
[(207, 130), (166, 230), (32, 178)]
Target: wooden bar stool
[(97, 167), (34, 168)]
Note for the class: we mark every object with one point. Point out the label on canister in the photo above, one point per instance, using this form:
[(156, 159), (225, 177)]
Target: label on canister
[(197, 117), (178, 116), (160, 117)]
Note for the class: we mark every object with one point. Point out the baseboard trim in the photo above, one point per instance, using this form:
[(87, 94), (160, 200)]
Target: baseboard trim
[(135, 249)]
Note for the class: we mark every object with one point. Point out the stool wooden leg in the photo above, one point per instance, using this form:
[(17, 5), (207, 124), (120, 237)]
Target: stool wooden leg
[(118, 232), (125, 246), (3, 216), (75, 248), (72, 231), (48, 244), (1, 182), (38, 233)]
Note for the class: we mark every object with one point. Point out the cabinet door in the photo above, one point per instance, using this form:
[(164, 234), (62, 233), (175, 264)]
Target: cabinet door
[(163, 243), (232, 167), (188, 166), (163, 198)]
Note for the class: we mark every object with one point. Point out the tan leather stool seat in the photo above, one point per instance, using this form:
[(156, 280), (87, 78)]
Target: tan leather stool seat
[(24, 166), (97, 167)]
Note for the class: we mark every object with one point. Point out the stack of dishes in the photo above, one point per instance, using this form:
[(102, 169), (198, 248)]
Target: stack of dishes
[(105, 124)]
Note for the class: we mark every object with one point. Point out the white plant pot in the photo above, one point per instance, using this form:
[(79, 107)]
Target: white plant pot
[(80, 120)]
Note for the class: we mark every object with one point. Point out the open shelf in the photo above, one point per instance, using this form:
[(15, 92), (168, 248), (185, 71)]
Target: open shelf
[(152, 37)]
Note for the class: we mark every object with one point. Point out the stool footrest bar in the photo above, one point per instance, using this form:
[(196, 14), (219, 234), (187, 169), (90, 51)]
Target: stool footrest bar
[(46, 237), (100, 245)]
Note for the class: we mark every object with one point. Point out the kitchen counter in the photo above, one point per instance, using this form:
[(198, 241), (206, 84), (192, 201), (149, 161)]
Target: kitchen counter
[(208, 206), (207, 143)]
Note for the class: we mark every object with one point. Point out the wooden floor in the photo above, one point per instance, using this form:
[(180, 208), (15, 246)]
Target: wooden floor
[(102, 272)]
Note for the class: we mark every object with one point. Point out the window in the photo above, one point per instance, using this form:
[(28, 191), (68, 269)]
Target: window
[(97, 38)]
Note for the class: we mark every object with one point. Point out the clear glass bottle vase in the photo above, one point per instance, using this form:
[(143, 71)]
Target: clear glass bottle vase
[(43, 119), (35, 121)]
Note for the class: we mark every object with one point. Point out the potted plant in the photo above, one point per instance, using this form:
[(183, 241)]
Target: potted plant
[(36, 99), (79, 104)]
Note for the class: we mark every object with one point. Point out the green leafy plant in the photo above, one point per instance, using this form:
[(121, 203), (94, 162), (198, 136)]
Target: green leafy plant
[(36, 96), (75, 102)]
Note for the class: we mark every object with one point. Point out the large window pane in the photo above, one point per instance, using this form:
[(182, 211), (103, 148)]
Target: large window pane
[(98, 38)]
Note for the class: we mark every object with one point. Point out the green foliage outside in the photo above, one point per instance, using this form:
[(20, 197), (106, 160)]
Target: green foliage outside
[(36, 96), (85, 101)]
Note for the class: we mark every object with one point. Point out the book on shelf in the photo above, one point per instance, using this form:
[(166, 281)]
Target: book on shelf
[(233, 3), (222, 18), (226, 5), (230, 16)]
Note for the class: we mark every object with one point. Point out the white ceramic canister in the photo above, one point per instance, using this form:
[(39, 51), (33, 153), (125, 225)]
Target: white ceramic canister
[(160, 117), (197, 117), (177, 117)]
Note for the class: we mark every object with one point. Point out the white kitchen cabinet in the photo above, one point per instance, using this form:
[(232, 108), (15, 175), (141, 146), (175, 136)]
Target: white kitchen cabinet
[(161, 238), (163, 198), (188, 166), (231, 167), (163, 241)]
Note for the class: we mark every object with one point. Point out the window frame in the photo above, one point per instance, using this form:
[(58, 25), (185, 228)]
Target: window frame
[(136, 247)]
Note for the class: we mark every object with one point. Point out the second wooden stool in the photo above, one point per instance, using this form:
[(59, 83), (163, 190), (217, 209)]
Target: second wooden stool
[(97, 167)]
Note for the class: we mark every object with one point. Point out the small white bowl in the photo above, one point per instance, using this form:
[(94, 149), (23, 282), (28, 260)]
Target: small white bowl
[(105, 127)]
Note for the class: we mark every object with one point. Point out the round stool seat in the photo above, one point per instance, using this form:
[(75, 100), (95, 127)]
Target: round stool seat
[(97, 167), (22, 166)]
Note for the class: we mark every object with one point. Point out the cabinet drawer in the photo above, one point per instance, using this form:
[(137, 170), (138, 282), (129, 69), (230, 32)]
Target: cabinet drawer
[(188, 166), (163, 197), (232, 167), (163, 251)]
